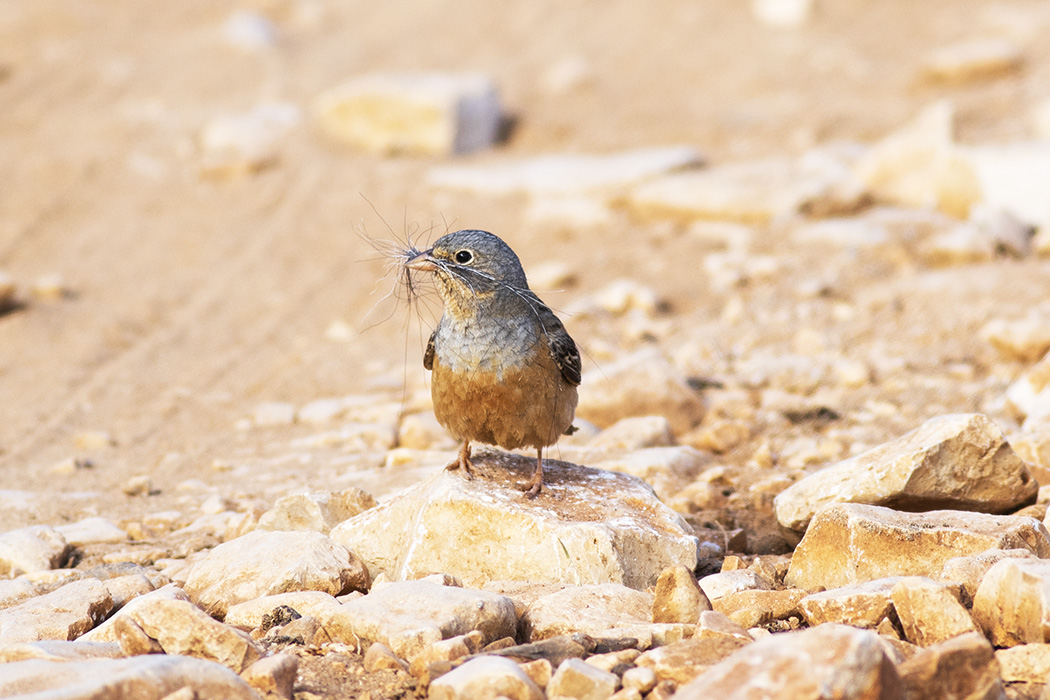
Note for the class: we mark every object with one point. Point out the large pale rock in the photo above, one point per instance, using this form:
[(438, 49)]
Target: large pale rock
[(962, 668), (29, 549), (59, 650), (929, 612), (140, 678), (485, 678), (567, 175), (92, 531), (725, 583), (429, 113), (408, 616), (576, 678), (604, 610), (1012, 604), (1027, 663), (65, 613), (864, 605), (1029, 395), (957, 462), (753, 192), (678, 597), (829, 661), (180, 627), (106, 632), (589, 526), (265, 563), (1025, 339), (250, 613), (850, 543), (319, 512), (969, 571), (920, 166), (1015, 178), (643, 383), (683, 661), (667, 469)]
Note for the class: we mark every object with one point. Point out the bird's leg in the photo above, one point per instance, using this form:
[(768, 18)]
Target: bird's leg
[(536, 482), (463, 460)]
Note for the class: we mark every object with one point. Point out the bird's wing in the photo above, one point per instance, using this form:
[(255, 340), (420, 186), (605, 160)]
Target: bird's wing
[(428, 354), (563, 349)]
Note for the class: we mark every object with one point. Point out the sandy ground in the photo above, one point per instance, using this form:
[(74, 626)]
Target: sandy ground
[(192, 300)]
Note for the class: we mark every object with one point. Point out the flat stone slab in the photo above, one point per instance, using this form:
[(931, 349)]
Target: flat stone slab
[(588, 526)]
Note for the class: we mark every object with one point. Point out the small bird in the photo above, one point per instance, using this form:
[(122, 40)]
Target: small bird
[(505, 370)]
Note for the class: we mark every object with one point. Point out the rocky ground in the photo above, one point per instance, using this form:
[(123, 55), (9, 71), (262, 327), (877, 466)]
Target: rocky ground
[(805, 249)]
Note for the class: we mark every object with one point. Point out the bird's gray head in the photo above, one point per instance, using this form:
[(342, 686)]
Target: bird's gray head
[(471, 266)]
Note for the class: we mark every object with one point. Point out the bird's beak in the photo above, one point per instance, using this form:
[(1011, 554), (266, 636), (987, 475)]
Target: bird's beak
[(422, 261)]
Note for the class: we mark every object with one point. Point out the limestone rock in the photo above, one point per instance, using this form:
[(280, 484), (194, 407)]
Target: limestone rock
[(58, 650), (920, 166), (1014, 178), (319, 512), (753, 191), (958, 462), (92, 531), (969, 571), (265, 563), (716, 625), (979, 59), (928, 611), (666, 469), (1029, 395), (683, 661), (567, 175), (29, 549), (635, 433), (273, 675), (962, 668), (14, 591), (678, 598), (142, 678), (850, 543), (250, 613), (1026, 663), (1012, 604), (589, 526), (428, 113), (864, 605), (408, 616), (235, 145), (485, 678), (179, 627), (643, 383), (603, 610), (826, 661), (724, 583), (65, 613), (106, 632), (1025, 339), (579, 679)]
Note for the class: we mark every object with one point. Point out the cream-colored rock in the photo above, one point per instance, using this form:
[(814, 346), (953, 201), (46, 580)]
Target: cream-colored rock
[(920, 166), (677, 597), (14, 591), (1012, 604), (265, 563), (970, 570), (753, 191), (567, 174), (589, 526), (123, 589), (603, 610), (319, 512), (1025, 663), (929, 612), (802, 666), (485, 678), (429, 113), (1025, 339), (250, 613), (850, 543), (1014, 178), (979, 59), (408, 616), (864, 605), (235, 145), (635, 433), (716, 586), (65, 613), (29, 549), (666, 469), (963, 667), (105, 631), (421, 431), (93, 530), (273, 675), (643, 383), (184, 629), (958, 462), (379, 657), (683, 661), (576, 678), (58, 650), (150, 677), (755, 607), (716, 625), (1029, 396)]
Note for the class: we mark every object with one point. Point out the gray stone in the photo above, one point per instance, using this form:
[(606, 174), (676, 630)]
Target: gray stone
[(29, 549), (578, 679), (65, 613), (849, 543), (485, 678), (589, 526), (408, 616), (429, 113), (139, 678), (957, 462), (826, 661), (264, 563)]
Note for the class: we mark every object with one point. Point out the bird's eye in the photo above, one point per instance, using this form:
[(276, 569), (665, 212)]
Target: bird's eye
[(464, 256)]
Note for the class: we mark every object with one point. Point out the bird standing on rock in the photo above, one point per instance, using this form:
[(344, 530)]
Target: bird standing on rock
[(505, 370)]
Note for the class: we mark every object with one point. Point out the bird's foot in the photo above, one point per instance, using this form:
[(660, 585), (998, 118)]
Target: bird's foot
[(462, 461), (535, 485)]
